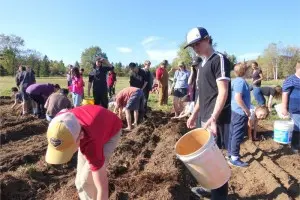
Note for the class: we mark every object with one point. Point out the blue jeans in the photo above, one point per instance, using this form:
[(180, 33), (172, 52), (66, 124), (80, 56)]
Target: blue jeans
[(295, 138), (238, 128), (259, 97), (76, 99)]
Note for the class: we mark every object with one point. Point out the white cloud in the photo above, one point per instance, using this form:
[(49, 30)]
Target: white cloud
[(159, 55), (150, 39), (248, 56), (124, 49)]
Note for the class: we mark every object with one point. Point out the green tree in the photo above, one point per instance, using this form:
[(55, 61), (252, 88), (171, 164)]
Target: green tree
[(183, 55), (232, 59), (45, 67), (89, 55), (10, 46), (32, 58)]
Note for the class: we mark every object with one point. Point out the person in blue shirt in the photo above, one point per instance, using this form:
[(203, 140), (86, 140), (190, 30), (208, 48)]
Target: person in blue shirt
[(290, 104), (181, 87), (240, 111)]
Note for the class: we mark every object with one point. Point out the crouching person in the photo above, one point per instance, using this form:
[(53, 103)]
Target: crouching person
[(18, 100), (257, 113), (57, 102), (39, 93), (95, 132), (132, 99)]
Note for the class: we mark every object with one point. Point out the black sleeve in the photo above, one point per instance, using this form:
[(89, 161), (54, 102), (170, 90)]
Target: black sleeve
[(131, 80), (221, 67)]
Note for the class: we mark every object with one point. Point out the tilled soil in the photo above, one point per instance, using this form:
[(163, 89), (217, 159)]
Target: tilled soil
[(143, 166)]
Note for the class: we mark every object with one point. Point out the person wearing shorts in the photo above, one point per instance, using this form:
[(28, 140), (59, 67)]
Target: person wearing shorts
[(92, 130), (181, 87), (132, 99)]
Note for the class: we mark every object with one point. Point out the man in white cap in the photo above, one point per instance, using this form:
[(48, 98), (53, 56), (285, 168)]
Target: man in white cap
[(213, 101), (96, 131)]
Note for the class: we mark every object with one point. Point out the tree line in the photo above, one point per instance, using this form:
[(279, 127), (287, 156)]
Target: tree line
[(277, 61)]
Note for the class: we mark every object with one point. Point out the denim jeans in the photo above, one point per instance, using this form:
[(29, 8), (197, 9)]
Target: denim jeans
[(259, 97), (238, 129), (295, 138), (76, 99)]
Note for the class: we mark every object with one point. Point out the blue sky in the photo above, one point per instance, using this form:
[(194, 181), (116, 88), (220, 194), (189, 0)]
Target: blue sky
[(138, 30)]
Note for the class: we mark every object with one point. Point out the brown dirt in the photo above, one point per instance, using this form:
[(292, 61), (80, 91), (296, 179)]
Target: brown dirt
[(143, 165)]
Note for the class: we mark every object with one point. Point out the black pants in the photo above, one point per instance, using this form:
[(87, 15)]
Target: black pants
[(101, 98), (111, 91), (39, 99), (220, 193), (146, 94)]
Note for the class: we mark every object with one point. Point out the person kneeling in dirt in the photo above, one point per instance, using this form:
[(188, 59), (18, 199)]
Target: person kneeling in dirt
[(188, 109), (57, 102), (257, 113), (17, 97), (96, 131), (39, 93), (132, 99)]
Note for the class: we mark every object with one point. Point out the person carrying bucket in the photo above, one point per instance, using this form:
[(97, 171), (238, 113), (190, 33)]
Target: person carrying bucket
[(290, 104), (213, 102), (92, 130)]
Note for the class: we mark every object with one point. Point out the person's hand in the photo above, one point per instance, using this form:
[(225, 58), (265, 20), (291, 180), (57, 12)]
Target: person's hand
[(211, 125), (284, 112), (247, 112), (270, 109), (191, 122)]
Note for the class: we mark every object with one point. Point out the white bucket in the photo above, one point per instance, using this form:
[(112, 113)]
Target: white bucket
[(283, 131), (199, 152)]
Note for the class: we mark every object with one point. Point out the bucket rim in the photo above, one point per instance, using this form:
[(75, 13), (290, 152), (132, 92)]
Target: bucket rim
[(198, 150)]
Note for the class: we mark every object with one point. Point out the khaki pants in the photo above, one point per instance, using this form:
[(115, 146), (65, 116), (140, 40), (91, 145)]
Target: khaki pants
[(84, 180), (163, 95)]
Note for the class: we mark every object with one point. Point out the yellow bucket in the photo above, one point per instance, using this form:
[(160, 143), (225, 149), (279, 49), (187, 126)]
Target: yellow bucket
[(88, 102)]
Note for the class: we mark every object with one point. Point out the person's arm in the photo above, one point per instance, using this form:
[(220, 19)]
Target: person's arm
[(101, 183), (270, 103), (239, 100), (14, 105), (144, 86), (47, 103), (190, 80), (285, 100)]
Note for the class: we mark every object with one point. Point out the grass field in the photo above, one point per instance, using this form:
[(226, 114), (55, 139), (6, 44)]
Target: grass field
[(6, 83)]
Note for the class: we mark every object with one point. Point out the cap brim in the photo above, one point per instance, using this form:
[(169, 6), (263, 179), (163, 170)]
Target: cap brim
[(56, 157), (192, 42)]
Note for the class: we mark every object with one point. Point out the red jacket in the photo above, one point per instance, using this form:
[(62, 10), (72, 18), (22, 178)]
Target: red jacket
[(112, 78)]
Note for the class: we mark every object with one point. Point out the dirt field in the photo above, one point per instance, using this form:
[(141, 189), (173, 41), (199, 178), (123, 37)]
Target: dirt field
[(143, 166)]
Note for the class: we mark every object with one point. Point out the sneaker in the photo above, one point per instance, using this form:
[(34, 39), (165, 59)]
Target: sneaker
[(201, 192), (227, 157), (238, 163)]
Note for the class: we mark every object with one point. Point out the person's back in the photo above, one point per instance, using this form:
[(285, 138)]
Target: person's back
[(55, 103), (138, 79), (44, 89)]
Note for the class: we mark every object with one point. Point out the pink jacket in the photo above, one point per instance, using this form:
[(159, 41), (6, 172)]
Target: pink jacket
[(77, 85)]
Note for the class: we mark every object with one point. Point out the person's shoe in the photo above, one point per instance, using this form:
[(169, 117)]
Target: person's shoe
[(238, 163), (201, 192)]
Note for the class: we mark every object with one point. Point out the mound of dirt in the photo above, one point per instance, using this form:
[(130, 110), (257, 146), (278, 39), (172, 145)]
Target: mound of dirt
[(143, 166)]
